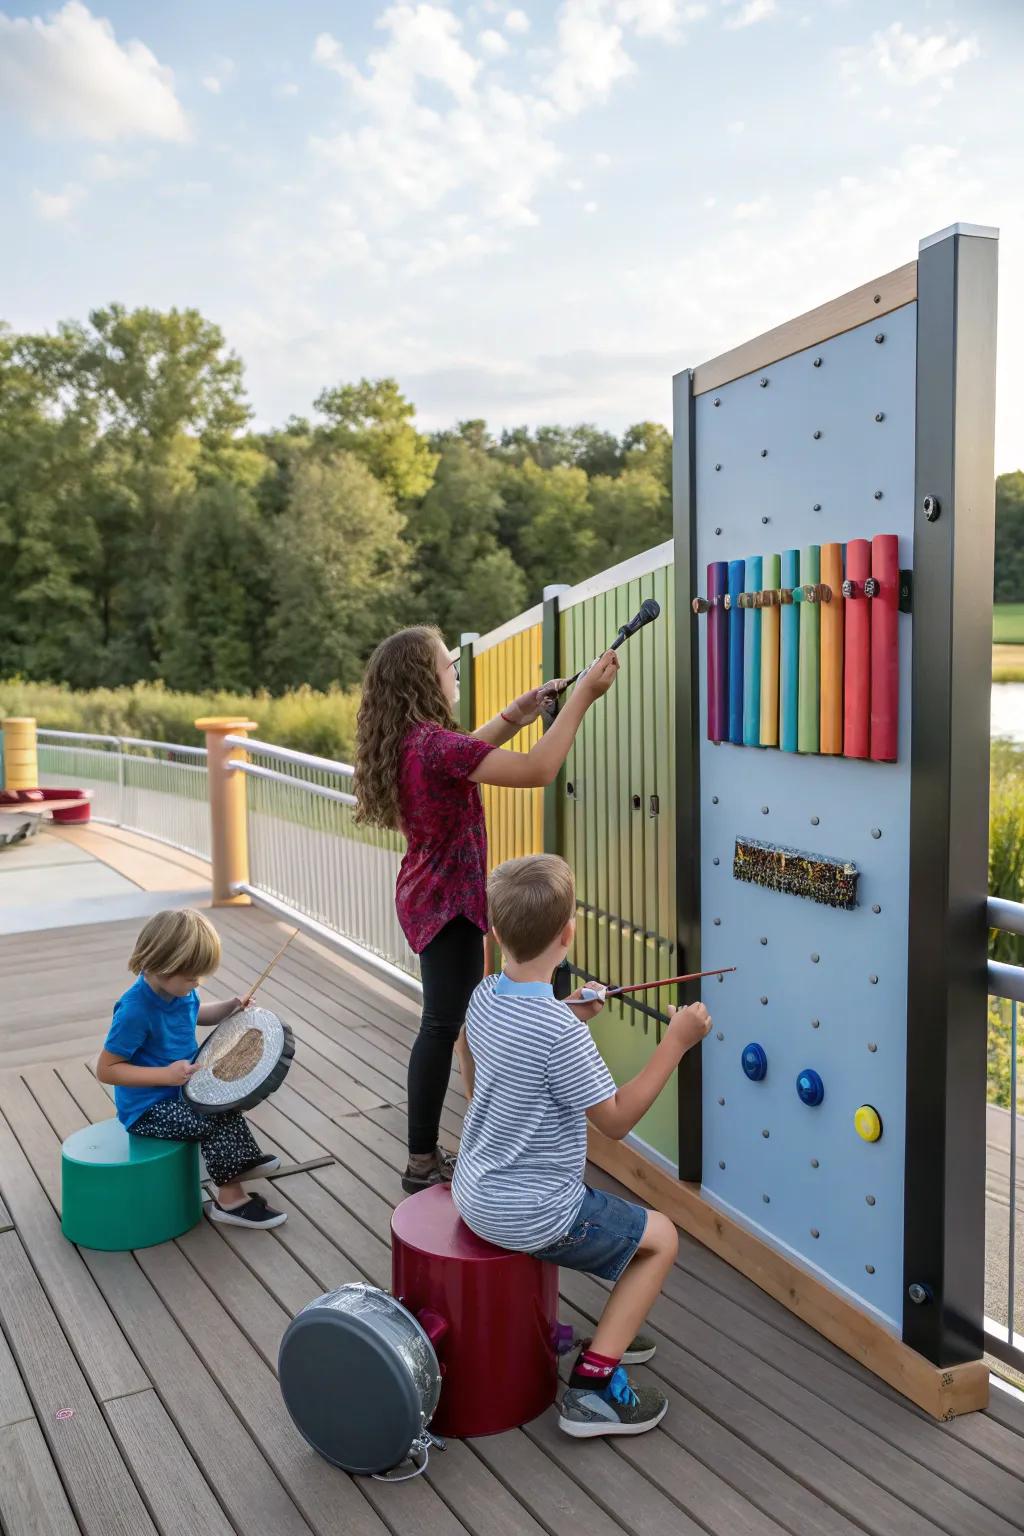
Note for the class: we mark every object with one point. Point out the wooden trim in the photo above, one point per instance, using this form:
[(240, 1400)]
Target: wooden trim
[(854, 308), (944, 1394)]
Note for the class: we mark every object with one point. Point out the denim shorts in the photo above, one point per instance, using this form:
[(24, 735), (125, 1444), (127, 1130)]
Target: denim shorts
[(602, 1239)]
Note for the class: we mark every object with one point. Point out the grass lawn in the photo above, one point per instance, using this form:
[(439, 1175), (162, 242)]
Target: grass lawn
[(1008, 624)]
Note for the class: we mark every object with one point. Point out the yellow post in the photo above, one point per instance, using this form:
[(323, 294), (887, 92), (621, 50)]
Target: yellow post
[(21, 766), (229, 834)]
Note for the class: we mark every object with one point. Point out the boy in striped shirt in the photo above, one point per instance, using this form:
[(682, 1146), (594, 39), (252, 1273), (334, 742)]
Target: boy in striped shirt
[(519, 1176)]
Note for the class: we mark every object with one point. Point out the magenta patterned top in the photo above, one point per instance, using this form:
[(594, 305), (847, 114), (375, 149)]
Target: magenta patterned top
[(444, 872)]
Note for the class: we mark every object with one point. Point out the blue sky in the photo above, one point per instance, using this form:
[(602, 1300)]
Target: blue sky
[(528, 212)]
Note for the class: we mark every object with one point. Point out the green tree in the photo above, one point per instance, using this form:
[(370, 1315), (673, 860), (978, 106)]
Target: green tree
[(648, 446), (337, 567), (630, 513), (373, 420), (549, 524), (218, 605), (464, 578), (1009, 571)]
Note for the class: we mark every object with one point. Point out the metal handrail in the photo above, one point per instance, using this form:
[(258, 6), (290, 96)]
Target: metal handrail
[(125, 741), (289, 755), (323, 790)]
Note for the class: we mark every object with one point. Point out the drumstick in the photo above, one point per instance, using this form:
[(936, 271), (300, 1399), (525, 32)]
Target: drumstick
[(645, 986), (253, 990)]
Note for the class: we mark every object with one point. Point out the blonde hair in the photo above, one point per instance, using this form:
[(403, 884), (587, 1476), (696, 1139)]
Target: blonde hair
[(401, 689), (181, 943), (530, 901)]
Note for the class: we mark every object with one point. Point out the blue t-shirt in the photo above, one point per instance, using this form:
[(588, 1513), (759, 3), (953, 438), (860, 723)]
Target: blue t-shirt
[(150, 1031)]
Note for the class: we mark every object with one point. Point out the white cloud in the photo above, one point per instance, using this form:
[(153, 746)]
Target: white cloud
[(753, 209), (738, 126), (70, 75), (287, 89), (104, 167), (57, 206), (574, 184), (591, 56), (709, 202), (517, 21), (904, 58), (589, 207), (603, 160), (212, 84), (493, 44), (651, 18), (754, 11)]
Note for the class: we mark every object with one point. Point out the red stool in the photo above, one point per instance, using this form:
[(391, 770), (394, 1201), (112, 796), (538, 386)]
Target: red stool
[(498, 1354)]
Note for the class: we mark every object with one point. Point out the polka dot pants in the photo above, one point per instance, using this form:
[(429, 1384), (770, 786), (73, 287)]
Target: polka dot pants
[(227, 1144)]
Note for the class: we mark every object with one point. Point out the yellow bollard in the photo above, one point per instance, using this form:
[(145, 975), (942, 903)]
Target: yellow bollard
[(229, 833), (21, 766)]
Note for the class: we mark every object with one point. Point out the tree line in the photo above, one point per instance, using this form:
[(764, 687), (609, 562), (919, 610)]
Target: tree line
[(147, 532)]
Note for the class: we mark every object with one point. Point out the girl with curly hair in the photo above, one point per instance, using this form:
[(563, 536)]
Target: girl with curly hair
[(418, 773)]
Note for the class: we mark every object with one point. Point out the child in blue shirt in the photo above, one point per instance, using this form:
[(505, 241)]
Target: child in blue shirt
[(149, 1052), (518, 1180)]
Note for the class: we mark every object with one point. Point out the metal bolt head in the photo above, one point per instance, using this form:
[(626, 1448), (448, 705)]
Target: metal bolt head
[(877, 298), (815, 1023), (876, 832), (931, 508), (764, 383), (764, 810), (714, 799), (879, 415), (817, 506), (919, 1294), (718, 922), (870, 1268), (766, 1133), (815, 1232), (869, 1199), (872, 1046), (721, 1099), (817, 434), (720, 1163), (764, 453), (764, 939), (873, 980), (879, 337), (767, 1199), (717, 467), (815, 821), (814, 1162), (719, 1035), (878, 495), (718, 531), (717, 401), (876, 909), (764, 1002), (764, 519), (817, 362), (815, 959), (716, 859)]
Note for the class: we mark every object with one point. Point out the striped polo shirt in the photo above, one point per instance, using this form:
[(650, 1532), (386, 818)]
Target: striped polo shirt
[(519, 1175)]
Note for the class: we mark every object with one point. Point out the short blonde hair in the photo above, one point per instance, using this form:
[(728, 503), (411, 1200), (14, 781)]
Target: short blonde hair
[(530, 901), (181, 943)]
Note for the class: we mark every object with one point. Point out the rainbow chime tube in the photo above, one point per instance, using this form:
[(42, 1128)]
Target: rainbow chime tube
[(737, 573), (752, 657), (770, 619), (718, 654)]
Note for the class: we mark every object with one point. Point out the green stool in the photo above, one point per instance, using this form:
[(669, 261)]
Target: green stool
[(120, 1191)]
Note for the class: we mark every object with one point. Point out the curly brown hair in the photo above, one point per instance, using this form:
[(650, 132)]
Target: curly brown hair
[(400, 689)]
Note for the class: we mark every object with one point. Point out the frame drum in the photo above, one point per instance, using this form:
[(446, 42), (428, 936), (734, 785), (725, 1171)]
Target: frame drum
[(243, 1060)]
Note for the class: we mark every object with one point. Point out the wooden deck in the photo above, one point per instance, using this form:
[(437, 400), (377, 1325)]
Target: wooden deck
[(138, 1391)]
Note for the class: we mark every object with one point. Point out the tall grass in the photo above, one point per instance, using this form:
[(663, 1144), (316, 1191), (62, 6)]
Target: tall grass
[(1005, 878), (321, 723)]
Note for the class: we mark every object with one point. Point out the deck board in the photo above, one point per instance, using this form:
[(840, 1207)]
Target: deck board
[(169, 1355)]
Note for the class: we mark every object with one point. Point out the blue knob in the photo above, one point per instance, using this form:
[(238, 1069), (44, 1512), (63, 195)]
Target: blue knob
[(810, 1087), (754, 1061)]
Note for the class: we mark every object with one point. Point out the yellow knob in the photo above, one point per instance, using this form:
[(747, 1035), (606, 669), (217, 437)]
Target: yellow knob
[(868, 1123)]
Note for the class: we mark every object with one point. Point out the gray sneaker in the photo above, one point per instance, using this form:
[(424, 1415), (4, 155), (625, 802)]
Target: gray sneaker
[(618, 1408)]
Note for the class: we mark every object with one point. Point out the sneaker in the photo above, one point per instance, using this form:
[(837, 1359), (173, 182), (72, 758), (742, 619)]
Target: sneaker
[(642, 1349), (254, 1213), (442, 1173), (263, 1165), (618, 1408)]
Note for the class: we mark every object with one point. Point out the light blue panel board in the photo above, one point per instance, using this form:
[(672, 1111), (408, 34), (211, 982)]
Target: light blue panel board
[(776, 797)]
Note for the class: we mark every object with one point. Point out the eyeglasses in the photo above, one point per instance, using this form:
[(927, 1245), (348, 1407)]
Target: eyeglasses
[(454, 664)]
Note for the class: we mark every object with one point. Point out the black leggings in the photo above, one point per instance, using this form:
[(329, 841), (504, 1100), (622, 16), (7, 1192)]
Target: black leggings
[(451, 966)]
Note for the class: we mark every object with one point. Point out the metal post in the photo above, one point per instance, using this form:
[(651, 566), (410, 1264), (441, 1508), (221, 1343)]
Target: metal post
[(467, 699), (551, 666), (1011, 1268), (229, 834), (947, 1005), (687, 755)]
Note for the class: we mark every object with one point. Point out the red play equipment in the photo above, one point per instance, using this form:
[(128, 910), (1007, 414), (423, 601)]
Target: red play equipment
[(498, 1353)]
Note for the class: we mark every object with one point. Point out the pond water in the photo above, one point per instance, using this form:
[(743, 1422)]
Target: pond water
[(1008, 710)]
